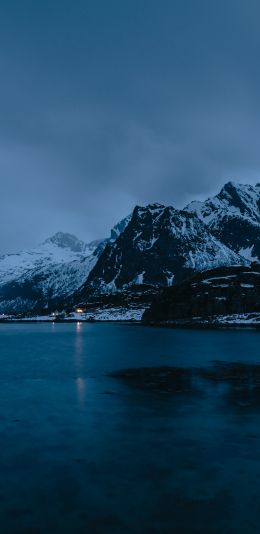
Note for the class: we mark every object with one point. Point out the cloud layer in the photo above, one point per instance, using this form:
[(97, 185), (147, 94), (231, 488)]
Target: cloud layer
[(105, 105)]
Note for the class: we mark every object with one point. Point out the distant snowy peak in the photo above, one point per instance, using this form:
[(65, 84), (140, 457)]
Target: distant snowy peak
[(159, 246), (64, 240), (52, 270), (233, 216), (71, 242)]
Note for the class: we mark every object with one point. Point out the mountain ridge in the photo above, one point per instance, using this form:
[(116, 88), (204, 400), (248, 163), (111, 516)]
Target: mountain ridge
[(155, 246)]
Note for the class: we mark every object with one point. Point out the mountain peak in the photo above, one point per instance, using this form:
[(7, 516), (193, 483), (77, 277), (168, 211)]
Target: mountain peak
[(231, 185), (151, 207), (150, 210), (65, 240), (155, 206), (233, 216), (244, 197), (235, 187)]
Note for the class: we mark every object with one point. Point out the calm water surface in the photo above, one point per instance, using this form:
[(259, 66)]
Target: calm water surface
[(85, 452)]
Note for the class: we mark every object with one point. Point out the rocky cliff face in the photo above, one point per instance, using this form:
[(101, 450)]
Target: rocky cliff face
[(222, 291), (159, 246)]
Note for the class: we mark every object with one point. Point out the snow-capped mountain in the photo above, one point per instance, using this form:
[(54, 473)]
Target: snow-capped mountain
[(36, 277), (70, 243), (159, 246), (61, 248), (233, 216), (154, 246), (48, 274)]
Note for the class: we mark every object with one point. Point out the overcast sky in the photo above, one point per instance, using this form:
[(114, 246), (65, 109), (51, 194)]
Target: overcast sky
[(105, 104)]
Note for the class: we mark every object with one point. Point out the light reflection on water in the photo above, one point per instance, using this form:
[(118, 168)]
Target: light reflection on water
[(83, 452), (78, 355), (78, 352), (81, 386)]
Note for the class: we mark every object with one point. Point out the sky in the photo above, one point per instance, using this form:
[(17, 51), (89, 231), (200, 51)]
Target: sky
[(109, 104)]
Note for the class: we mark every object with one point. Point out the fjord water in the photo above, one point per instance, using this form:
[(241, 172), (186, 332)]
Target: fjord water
[(84, 452)]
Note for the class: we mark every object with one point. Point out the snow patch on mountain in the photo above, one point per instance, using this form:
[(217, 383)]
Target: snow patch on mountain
[(248, 253)]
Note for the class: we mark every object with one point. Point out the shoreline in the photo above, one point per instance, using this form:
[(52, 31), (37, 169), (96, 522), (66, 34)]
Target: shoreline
[(174, 325)]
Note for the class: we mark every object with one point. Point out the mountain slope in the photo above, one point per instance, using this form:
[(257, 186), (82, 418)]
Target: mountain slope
[(48, 274), (159, 246), (55, 268), (233, 216)]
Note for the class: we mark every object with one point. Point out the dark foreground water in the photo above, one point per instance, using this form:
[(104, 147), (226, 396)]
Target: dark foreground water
[(85, 452)]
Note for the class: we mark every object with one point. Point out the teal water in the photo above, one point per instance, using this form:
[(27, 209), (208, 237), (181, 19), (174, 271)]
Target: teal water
[(83, 452)]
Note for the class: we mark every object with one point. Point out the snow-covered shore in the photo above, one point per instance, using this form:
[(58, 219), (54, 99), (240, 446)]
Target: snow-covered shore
[(103, 314), (119, 314), (243, 320)]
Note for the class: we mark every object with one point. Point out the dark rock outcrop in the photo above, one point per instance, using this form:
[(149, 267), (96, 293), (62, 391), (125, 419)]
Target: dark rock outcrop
[(222, 291)]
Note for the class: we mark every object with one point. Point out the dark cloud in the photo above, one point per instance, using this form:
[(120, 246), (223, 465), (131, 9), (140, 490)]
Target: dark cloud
[(107, 104)]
